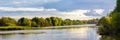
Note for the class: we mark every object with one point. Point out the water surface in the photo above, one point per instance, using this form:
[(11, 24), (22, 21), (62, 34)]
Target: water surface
[(83, 33)]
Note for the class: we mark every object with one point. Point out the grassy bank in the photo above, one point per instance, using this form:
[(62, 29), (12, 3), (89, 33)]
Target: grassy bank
[(7, 28)]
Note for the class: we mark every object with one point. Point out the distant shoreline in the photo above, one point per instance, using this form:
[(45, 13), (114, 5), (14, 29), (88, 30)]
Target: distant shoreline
[(21, 30)]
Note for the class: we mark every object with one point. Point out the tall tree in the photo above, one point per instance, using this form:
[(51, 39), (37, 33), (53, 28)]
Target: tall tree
[(113, 24)]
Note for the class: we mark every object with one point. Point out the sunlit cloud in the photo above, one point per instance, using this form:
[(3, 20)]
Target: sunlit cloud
[(99, 11), (25, 9), (43, 12), (66, 9)]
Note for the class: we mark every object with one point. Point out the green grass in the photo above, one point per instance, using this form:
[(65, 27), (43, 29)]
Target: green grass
[(7, 28)]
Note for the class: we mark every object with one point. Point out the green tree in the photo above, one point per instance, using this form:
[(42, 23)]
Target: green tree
[(36, 21), (24, 22), (111, 26), (54, 21), (43, 22), (77, 22), (33, 24), (49, 21), (67, 22), (40, 22), (6, 21)]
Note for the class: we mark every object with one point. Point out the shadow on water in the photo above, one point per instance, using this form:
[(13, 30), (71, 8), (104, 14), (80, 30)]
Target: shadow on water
[(113, 37)]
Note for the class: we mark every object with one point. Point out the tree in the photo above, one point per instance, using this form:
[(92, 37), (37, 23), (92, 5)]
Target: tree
[(24, 22), (33, 24), (56, 21), (111, 25), (106, 26), (43, 22), (36, 21), (40, 22), (49, 21), (77, 22), (6, 21), (67, 22)]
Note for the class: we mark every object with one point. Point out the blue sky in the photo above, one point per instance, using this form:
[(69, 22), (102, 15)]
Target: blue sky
[(72, 9)]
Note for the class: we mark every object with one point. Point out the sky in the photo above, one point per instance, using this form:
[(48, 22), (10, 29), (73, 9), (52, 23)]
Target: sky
[(66, 9)]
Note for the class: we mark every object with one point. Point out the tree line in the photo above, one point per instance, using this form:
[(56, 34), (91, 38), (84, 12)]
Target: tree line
[(42, 22)]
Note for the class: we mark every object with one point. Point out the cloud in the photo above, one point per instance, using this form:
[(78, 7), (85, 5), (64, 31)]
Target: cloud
[(43, 12), (79, 13), (17, 2), (99, 11), (73, 9), (21, 2), (25, 9)]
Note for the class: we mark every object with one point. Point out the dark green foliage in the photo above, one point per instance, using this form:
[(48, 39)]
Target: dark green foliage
[(100, 21), (43, 22), (93, 21), (111, 24), (67, 22), (35, 21), (117, 9), (54, 21), (106, 26), (116, 21), (24, 22), (110, 37), (33, 24), (39, 22), (6, 21)]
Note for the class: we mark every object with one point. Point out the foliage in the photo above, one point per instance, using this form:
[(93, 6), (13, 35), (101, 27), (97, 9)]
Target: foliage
[(67, 22), (54, 21), (41, 22), (111, 23), (24, 22), (6, 21)]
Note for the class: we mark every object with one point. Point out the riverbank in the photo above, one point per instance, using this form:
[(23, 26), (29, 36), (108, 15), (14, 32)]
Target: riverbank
[(14, 30), (36, 28)]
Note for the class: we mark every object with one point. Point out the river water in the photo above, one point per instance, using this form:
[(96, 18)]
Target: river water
[(82, 33)]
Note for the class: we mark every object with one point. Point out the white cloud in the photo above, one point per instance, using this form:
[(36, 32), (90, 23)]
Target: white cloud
[(51, 9), (46, 1), (25, 9), (17, 2), (43, 12), (77, 14), (99, 11), (22, 2)]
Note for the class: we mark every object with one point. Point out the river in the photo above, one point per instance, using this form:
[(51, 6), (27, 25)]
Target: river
[(81, 33)]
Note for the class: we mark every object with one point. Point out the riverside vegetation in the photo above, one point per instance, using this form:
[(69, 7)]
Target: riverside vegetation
[(7, 23), (110, 24)]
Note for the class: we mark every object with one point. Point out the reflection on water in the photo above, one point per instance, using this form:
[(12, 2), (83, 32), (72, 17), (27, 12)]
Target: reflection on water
[(84, 33), (114, 37)]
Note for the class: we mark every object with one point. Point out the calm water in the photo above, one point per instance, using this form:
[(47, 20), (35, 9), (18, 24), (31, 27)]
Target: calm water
[(83, 33)]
